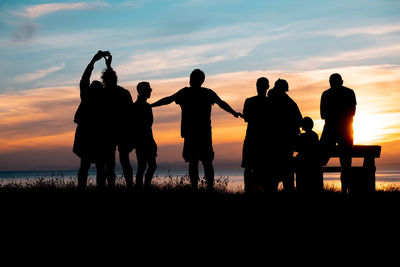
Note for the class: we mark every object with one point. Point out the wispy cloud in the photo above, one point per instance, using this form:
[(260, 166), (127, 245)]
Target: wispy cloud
[(42, 118), (36, 11), (28, 77), (25, 31), (369, 30), (353, 56), (187, 56)]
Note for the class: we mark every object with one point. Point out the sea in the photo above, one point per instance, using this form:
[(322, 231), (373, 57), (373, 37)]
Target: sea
[(386, 177)]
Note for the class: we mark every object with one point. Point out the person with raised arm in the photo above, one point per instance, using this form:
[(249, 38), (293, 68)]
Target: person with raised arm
[(196, 103), (87, 144), (117, 123)]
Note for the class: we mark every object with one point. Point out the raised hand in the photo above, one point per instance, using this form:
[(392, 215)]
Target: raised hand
[(97, 56), (108, 58)]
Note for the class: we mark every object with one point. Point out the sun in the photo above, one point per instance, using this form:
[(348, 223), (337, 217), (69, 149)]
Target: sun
[(369, 128)]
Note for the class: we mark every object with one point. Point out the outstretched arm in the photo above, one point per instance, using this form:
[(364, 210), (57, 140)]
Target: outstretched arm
[(163, 101), (225, 106)]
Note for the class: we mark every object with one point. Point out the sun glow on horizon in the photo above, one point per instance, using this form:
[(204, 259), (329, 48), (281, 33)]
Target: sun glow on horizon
[(370, 129)]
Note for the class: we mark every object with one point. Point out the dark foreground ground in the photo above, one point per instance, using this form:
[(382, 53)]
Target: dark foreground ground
[(67, 223), (169, 205)]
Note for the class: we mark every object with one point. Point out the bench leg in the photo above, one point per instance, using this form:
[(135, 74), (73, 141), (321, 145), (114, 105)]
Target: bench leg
[(370, 169)]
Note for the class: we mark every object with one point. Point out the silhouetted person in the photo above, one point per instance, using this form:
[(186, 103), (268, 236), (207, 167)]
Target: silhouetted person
[(196, 103), (146, 147), (87, 117), (255, 110), (308, 172), (338, 107), (284, 120), (118, 125)]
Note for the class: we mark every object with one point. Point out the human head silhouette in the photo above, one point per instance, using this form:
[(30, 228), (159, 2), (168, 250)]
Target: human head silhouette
[(335, 80), (307, 124), (197, 78), (281, 85), (95, 85), (144, 89), (109, 78), (262, 86)]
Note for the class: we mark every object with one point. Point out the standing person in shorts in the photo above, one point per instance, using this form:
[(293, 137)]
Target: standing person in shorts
[(196, 103), (146, 147)]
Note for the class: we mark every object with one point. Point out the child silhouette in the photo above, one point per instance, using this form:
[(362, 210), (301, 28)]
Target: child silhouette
[(308, 172), (146, 147)]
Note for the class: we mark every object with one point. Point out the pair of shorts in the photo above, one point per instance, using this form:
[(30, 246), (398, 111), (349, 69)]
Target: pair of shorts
[(198, 148)]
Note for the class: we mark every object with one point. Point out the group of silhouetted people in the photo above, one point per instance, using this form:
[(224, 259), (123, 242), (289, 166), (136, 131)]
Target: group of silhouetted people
[(108, 119)]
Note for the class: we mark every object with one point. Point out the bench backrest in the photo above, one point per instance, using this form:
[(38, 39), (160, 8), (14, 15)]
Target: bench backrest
[(361, 151)]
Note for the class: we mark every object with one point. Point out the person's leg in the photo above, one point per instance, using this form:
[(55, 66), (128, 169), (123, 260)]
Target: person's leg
[(140, 171), (100, 174), (345, 146), (327, 144), (345, 163), (83, 173), (209, 173), (152, 166), (288, 170), (110, 168), (270, 182), (194, 173), (288, 181), (248, 176), (126, 168)]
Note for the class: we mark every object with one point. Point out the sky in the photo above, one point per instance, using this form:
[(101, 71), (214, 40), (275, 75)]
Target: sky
[(46, 45)]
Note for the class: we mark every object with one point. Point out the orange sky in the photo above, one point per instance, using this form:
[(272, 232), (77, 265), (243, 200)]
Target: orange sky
[(41, 119)]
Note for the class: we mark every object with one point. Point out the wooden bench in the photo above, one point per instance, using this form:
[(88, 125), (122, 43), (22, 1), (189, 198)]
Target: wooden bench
[(363, 177)]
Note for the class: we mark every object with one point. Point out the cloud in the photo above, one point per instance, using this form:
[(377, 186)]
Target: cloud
[(36, 11), (28, 77), (353, 56), (368, 30), (37, 118), (188, 56), (40, 119), (25, 32)]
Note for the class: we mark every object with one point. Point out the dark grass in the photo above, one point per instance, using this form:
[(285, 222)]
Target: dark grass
[(174, 194), (173, 206), (52, 215)]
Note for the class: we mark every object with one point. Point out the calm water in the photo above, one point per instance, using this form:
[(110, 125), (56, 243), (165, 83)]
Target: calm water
[(384, 176)]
